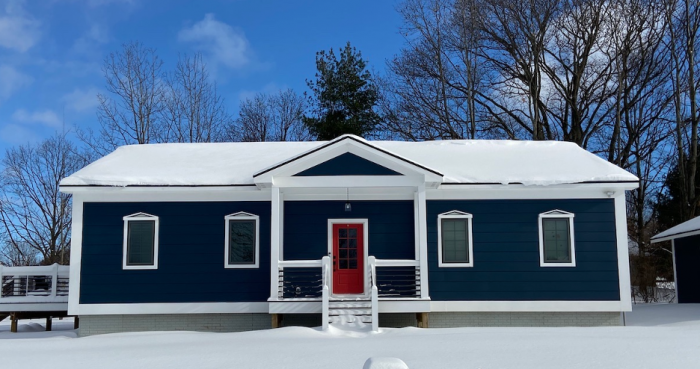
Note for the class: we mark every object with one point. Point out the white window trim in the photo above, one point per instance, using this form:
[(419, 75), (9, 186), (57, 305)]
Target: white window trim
[(241, 215), (557, 214), (136, 217), (456, 214)]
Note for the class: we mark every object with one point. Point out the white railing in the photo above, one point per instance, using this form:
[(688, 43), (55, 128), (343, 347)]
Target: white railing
[(375, 292), (302, 285), (34, 284), (326, 292)]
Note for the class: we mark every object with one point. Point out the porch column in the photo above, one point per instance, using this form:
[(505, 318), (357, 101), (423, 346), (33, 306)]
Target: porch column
[(420, 206), (275, 241)]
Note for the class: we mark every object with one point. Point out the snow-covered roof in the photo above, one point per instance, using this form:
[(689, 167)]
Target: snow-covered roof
[(685, 229), (459, 161)]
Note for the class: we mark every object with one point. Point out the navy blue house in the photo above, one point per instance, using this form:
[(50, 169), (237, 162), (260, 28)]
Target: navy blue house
[(685, 241), (240, 236)]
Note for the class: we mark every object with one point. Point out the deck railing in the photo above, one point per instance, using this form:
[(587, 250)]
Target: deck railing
[(34, 284)]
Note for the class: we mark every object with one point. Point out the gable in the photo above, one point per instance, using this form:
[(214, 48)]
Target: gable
[(347, 164)]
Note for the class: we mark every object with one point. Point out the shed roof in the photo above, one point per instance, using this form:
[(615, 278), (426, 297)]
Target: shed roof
[(685, 229), (540, 163)]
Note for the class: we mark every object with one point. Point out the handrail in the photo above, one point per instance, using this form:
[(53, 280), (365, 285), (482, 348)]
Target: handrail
[(397, 262), (34, 284), (300, 263), (325, 294)]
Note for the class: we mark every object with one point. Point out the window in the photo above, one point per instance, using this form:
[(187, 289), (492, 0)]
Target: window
[(455, 245), (242, 241), (140, 241), (557, 239)]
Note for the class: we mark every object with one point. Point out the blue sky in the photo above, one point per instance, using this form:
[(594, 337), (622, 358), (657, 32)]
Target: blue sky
[(51, 51)]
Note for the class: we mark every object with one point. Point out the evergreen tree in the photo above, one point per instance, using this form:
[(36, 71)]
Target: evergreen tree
[(343, 96)]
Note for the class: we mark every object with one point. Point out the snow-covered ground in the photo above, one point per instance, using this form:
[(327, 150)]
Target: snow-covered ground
[(657, 336)]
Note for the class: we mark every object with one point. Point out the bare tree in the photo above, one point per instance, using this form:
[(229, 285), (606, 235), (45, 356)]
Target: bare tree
[(683, 19), (193, 111), (33, 213), (432, 88), (129, 113), (276, 117)]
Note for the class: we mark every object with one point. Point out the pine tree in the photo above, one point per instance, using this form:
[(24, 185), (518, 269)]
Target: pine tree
[(344, 96)]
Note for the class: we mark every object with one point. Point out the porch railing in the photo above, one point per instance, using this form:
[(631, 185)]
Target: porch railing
[(34, 284), (394, 279)]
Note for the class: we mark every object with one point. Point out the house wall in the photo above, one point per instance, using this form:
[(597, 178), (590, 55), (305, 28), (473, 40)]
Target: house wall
[(506, 253), (391, 227), (687, 254), (190, 257)]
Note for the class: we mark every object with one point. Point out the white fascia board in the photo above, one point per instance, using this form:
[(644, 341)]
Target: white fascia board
[(516, 191), (340, 147), (54, 306), (156, 189), (193, 194), (528, 306), (172, 308), (349, 181), (674, 236)]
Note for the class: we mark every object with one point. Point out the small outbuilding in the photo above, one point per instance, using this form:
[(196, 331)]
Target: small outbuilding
[(685, 239)]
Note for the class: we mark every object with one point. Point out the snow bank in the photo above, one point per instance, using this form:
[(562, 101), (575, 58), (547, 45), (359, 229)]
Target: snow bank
[(461, 161), (384, 363), (662, 336)]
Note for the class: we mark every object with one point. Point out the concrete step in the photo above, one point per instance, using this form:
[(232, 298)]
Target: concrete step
[(349, 319), (349, 304), (350, 312)]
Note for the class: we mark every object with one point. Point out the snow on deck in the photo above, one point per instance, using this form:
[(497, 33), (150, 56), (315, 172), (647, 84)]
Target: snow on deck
[(461, 161), (659, 336)]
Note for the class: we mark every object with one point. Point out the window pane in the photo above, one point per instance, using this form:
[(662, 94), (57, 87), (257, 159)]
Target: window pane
[(455, 243), (241, 242), (557, 245), (140, 241)]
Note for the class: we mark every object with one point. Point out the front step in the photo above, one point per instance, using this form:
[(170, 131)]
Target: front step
[(343, 311), (350, 319)]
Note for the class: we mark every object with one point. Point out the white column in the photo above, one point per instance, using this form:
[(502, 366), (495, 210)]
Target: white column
[(623, 255), (675, 274), (76, 246), (422, 242), (275, 241)]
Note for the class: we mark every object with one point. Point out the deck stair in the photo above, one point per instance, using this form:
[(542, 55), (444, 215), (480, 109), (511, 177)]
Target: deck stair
[(350, 311)]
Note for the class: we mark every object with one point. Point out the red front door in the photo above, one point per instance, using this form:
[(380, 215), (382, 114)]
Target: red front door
[(348, 259)]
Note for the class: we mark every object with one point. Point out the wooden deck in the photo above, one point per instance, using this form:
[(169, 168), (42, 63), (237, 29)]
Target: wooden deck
[(31, 292)]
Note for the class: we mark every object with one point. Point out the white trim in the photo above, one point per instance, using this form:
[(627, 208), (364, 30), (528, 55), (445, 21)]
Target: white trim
[(456, 214), (676, 235), (675, 273), (140, 217), (365, 247), (51, 306), (423, 239), (242, 215), (174, 308), (522, 306), (276, 219), (341, 146), (572, 244), (76, 246), (623, 254), (515, 192), (169, 193)]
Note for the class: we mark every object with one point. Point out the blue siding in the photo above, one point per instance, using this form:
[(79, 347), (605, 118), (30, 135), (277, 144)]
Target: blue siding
[(391, 227), (506, 253), (348, 165), (190, 260), (687, 253)]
